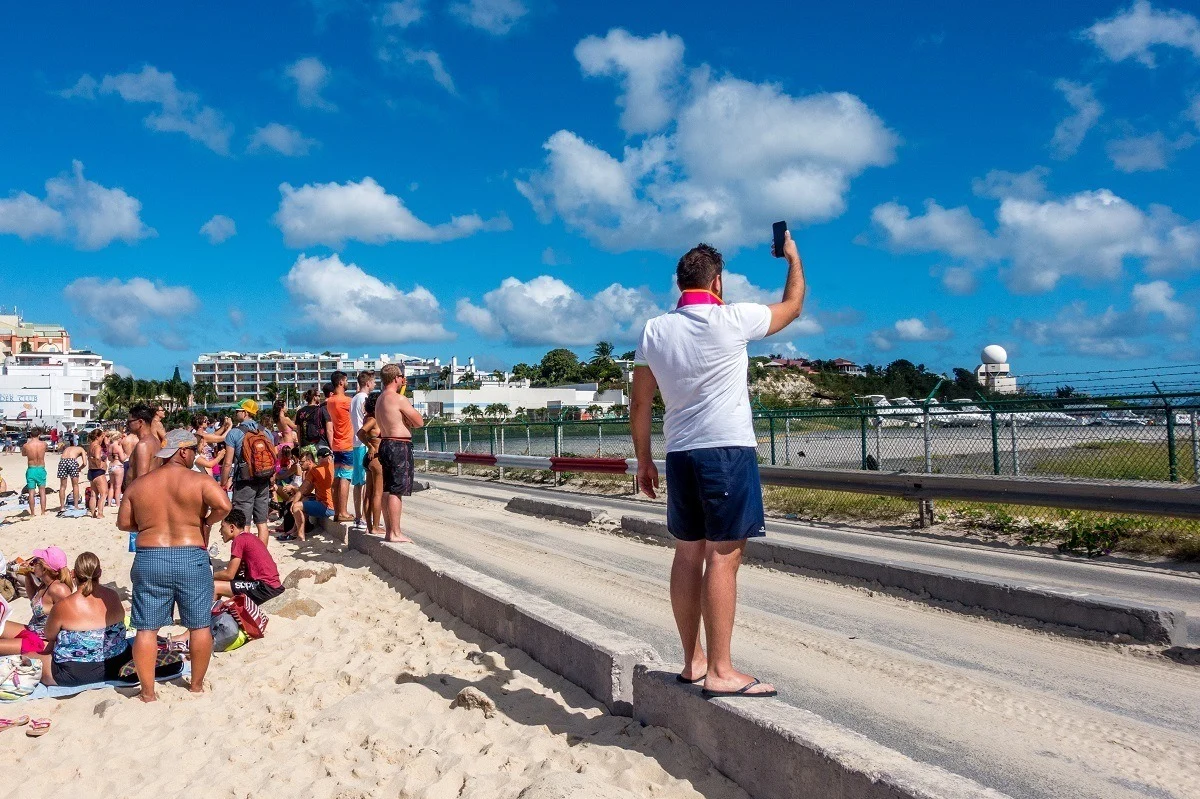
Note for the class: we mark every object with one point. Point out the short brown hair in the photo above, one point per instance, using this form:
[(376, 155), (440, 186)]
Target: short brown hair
[(389, 374), (699, 267), (365, 376)]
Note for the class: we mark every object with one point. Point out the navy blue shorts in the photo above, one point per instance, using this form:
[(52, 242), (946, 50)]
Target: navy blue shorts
[(714, 494), (166, 577)]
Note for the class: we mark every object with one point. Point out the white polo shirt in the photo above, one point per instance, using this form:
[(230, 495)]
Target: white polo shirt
[(698, 356)]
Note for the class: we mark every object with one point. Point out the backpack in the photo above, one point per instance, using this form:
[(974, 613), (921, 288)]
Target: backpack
[(247, 614), (258, 456), (308, 423)]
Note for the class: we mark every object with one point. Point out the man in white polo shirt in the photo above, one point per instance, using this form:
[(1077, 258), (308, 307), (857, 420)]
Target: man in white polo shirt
[(696, 356)]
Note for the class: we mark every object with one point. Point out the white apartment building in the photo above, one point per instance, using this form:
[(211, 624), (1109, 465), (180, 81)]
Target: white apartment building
[(515, 394), (237, 375), (51, 389)]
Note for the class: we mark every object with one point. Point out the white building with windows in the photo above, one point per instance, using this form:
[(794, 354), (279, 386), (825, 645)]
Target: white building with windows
[(994, 373), (515, 394), (51, 389)]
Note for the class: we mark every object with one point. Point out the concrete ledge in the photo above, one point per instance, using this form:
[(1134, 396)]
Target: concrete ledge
[(553, 510), (1092, 613), (776, 751), (595, 658)]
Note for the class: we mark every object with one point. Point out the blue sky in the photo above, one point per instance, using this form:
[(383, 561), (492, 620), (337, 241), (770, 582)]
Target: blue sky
[(497, 177)]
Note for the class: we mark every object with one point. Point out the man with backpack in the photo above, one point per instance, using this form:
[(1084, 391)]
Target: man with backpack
[(310, 420), (249, 465)]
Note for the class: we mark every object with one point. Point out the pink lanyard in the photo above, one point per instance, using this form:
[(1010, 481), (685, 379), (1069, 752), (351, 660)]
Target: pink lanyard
[(698, 297)]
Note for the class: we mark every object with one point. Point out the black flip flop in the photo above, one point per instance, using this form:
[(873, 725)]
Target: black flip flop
[(743, 691), (686, 681)]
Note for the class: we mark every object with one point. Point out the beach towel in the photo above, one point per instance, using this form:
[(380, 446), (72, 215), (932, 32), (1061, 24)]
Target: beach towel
[(62, 691)]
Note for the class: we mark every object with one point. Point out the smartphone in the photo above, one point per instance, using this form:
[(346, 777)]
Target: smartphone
[(777, 231)]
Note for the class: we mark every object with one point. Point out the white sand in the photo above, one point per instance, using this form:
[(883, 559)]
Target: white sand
[(352, 702)]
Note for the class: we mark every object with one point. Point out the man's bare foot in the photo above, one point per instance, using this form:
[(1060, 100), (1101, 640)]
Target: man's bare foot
[(378, 531), (343, 518), (197, 688), (150, 698), (398, 538), (696, 671), (737, 682)]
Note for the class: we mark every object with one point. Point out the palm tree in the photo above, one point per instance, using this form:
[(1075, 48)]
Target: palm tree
[(497, 410), (595, 411), (472, 411), (521, 414), (619, 410), (498, 375), (272, 392), (204, 393), (603, 352), (290, 394)]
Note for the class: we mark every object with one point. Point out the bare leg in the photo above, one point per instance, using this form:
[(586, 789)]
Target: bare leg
[(264, 531), (687, 580), (298, 515), (145, 651), (719, 598), (341, 491), (100, 491), (75, 490), (391, 520), (222, 588), (42, 499), (358, 503), (200, 650), (377, 508), (10, 644), (62, 493)]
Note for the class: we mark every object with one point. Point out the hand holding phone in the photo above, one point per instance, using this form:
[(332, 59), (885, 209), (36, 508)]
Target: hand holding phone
[(779, 238)]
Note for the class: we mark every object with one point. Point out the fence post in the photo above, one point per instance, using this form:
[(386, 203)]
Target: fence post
[(1172, 455), (557, 445), (501, 451), (928, 443), (1012, 426), (528, 441), (458, 466), (771, 420), (426, 448), (1195, 451), (995, 445), (862, 419), (787, 441), (879, 445), (443, 439), (599, 441)]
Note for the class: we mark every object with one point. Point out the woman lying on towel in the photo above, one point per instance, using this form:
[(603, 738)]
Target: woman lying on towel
[(85, 635)]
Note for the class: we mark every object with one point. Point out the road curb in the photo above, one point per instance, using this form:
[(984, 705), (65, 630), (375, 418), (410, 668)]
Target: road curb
[(574, 514), (774, 750), (594, 657), (1092, 613)]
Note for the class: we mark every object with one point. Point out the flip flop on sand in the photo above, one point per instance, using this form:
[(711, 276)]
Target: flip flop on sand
[(38, 728), (285, 538), (8, 724), (743, 691), (693, 681)]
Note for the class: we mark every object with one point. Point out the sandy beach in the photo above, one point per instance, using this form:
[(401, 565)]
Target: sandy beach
[(354, 701)]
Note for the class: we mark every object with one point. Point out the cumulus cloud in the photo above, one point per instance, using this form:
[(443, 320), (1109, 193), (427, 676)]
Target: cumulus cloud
[(334, 213), (280, 138), (954, 231), (436, 68), (310, 77), (218, 229), (911, 330), (401, 14), (1137, 30), (1148, 153), (1085, 110), (120, 310), (341, 303), (1027, 185), (959, 280), (545, 310), (497, 17), (1158, 297), (177, 111), (648, 69), (76, 209), (735, 157), (1090, 234)]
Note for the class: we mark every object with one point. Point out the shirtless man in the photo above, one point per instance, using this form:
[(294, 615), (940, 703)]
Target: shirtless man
[(397, 418), (34, 450), (172, 509), (70, 464), (141, 459)]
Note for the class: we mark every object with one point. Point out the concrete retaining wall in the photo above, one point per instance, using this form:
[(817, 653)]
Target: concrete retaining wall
[(1089, 612), (553, 510), (595, 658), (774, 750)]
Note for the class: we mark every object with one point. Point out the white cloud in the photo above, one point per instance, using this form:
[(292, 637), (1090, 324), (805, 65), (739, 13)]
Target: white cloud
[(497, 17), (91, 216), (434, 61), (178, 111), (911, 330), (1133, 33), (1027, 185), (1085, 108), (1192, 112), (402, 14), (283, 139), (960, 280), (954, 231), (311, 77), (120, 309), (649, 70), (739, 156), (546, 310), (340, 303), (1158, 297), (552, 258), (333, 213), (1147, 153), (218, 229)]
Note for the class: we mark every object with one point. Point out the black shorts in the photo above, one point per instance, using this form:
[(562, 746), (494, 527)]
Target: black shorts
[(74, 672), (396, 458), (714, 494), (94, 473), (257, 590)]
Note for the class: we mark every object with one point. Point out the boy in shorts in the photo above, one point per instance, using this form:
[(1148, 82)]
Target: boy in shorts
[(251, 570)]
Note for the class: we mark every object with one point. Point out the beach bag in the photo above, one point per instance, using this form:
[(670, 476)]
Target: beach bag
[(18, 676), (258, 456), (241, 640), (225, 630), (248, 615), (308, 422)]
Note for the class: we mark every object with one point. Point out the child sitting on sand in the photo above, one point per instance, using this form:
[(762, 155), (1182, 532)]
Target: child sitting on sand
[(251, 570)]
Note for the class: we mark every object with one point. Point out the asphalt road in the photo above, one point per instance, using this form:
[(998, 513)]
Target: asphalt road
[(1030, 714), (1177, 587)]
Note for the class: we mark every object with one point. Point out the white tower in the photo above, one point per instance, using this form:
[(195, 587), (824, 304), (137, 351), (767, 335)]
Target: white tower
[(994, 374)]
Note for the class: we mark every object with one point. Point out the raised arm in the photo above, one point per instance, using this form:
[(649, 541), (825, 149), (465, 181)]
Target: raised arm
[(785, 312), (227, 469), (641, 412)]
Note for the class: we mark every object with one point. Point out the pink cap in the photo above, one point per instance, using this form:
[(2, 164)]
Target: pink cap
[(53, 557)]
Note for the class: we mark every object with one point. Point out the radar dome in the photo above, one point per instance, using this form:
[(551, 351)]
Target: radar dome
[(994, 353)]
